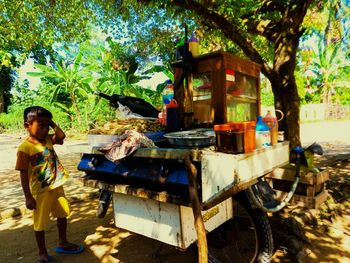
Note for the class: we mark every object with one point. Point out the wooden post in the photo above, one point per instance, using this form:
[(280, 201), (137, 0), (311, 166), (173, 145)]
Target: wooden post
[(197, 212)]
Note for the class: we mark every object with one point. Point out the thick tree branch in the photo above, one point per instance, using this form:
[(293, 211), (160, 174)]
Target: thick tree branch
[(267, 6), (294, 14), (266, 28), (287, 41), (270, 6), (292, 18)]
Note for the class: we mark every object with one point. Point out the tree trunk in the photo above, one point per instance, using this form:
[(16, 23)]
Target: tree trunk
[(285, 88), (287, 100), (5, 86), (2, 101)]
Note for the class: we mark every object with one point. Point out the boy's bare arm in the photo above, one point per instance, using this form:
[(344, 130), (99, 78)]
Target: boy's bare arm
[(30, 201), (59, 135)]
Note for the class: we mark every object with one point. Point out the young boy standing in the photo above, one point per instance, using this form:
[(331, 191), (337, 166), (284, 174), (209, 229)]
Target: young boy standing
[(42, 179)]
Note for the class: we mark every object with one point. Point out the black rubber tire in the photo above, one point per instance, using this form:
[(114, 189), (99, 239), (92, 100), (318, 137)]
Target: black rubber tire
[(230, 242), (104, 201), (262, 227)]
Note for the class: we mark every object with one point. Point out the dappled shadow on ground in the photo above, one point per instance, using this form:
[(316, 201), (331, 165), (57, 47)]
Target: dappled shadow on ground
[(152, 251), (332, 154), (20, 242), (339, 184), (328, 235), (11, 190), (70, 162), (327, 229), (103, 242)]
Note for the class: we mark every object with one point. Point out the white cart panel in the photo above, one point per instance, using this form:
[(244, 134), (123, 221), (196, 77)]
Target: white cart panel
[(169, 223), (221, 171)]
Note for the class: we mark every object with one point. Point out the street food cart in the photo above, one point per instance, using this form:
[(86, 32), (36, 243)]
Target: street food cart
[(182, 192)]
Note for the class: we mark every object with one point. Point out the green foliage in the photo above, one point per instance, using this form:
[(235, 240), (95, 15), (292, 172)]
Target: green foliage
[(26, 24), (328, 71), (267, 98), (67, 87), (302, 87), (150, 32), (13, 120), (266, 94), (140, 36), (71, 79), (324, 55)]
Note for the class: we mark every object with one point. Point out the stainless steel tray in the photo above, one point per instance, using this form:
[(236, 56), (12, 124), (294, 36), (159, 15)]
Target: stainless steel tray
[(191, 138)]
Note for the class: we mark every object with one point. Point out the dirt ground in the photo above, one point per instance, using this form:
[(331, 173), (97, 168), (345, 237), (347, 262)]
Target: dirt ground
[(328, 234), (322, 235)]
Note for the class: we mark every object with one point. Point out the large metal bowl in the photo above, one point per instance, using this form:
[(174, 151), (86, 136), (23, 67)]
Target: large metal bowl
[(191, 138)]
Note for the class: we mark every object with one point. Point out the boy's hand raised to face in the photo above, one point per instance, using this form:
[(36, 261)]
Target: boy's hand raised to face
[(52, 124), (59, 135)]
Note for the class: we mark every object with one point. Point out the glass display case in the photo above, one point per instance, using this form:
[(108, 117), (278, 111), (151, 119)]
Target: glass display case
[(202, 97), (221, 88)]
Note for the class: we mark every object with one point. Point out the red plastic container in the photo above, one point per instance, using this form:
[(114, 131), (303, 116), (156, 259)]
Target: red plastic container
[(235, 137)]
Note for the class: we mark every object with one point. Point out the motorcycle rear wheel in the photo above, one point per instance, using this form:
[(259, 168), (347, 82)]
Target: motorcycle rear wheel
[(247, 237)]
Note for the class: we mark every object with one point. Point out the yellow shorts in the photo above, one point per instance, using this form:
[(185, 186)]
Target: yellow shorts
[(53, 202)]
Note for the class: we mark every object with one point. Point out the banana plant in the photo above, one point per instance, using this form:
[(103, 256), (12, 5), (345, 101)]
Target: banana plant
[(72, 79), (330, 68)]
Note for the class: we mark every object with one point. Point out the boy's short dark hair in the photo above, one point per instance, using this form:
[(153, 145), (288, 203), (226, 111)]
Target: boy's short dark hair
[(34, 112)]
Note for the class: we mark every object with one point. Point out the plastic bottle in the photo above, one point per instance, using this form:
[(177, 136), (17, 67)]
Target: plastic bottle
[(172, 116), (193, 45), (262, 134), (167, 96), (168, 92), (271, 121)]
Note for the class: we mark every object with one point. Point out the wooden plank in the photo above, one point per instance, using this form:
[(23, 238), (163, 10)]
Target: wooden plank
[(196, 154), (321, 177), (227, 192), (259, 97), (134, 191), (218, 91), (168, 153), (311, 202), (188, 102), (320, 199), (242, 65), (196, 209), (309, 178), (184, 97), (311, 191), (203, 65), (93, 183), (289, 175)]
